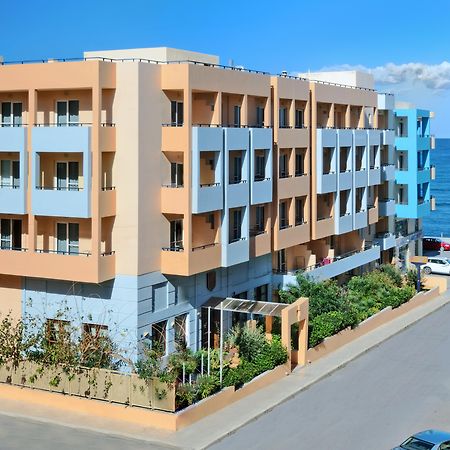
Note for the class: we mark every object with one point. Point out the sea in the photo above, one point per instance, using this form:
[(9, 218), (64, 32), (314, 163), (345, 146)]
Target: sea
[(437, 223)]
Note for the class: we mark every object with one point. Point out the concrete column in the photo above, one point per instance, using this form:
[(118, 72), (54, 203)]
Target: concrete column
[(96, 221), (187, 222), (361, 118), (244, 111), (348, 117), (331, 122), (32, 226), (217, 116), (292, 114)]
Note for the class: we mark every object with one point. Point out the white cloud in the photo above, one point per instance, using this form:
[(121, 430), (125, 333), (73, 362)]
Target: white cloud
[(432, 76)]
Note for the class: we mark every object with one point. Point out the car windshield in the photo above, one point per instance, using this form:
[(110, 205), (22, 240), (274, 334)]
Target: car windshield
[(413, 443)]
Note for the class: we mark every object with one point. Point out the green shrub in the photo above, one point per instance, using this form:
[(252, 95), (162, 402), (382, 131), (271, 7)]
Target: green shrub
[(249, 341), (393, 273), (325, 325)]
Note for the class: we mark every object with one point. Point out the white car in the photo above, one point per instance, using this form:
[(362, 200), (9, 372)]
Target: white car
[(437, 265)]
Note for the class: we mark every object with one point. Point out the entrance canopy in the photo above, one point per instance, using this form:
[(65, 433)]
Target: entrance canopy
[(245, 306)]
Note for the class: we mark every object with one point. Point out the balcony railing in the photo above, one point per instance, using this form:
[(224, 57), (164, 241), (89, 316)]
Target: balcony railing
[(59, 188), (257, 231), (15, 249), (283, 226), (202, 247), (173, 185), (56, 124), (174, 247), (257, 179), (202, 185), (63, 252), (242, 238), (108, 188), (9, 186)]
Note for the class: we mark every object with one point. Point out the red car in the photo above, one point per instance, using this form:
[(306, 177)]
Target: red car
[(435, 244)]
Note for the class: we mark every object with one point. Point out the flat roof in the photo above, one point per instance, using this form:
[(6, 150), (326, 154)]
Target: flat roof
[(246, 306)]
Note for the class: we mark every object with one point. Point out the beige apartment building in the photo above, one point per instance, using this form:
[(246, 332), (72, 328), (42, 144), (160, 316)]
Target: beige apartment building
[(137, 184)]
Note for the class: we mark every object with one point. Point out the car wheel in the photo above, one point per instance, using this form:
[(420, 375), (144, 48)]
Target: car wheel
[(427, 270)]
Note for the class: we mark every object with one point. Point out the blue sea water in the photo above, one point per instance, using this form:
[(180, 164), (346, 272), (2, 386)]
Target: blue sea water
[(439, 221)]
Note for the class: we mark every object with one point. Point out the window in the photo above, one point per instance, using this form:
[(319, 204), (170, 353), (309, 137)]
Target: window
[(237, 116), (235, 225), (210, 220), (281, 261), (259, 116), (10, 174), (11, 114), (159, 336), (67, 176), (57, 330), (10, 234), (299, 207), (261, 293), (67, 238), (359, 158), (176, 174), (67, 113), (176, 234), (260, 223), (235, 167), (283, 116), (211, 280), (299, 163), (94, 330), (299, 118), (181, 331), (283, 165), (176, 113), (284, 220), (260, 166)]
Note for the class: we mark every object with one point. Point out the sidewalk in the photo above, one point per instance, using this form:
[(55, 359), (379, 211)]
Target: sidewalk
[(226, 421)]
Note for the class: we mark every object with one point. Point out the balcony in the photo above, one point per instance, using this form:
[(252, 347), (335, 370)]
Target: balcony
[(74, 267), (173, 199), (293, 137), (360, 220), (387, 207), (423, 143), (387, 172), (259, 244), (108, 201), (361, 178), (333, 267), (323, 227), (74, 139), (374, 176), (290, 187), (55, 202), (174, 138), (290, 236), (107, 138), (261, 187), (345, 180), (185, 263), (423, 175), (13, 139), (372, 215), (384, 240), (235, 252), (388, 137), (343, 224)]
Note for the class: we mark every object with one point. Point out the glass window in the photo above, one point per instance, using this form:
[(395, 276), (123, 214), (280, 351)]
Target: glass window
[(10, 173), (260, 219), (159, 336), (181, 331), (177, 113), (176, 174), (261, 293), (176, 234), (259, 116), (5, 233), (235, 224), (281, 261), (67, 113), (211, 280), (237, 116), (298, 118)]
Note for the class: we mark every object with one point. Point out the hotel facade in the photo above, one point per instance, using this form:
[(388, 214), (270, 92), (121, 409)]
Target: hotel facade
[(138, 184)]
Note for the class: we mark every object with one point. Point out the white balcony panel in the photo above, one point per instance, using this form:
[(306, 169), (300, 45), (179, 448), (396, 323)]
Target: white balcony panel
[(237, 195), (327, 183), (388, 172), (235, 252), (261, 191), (360, 220), (345, 180), (361, 178), (207, 198), (12, 139), (61, 139), (386, 241), (374, 137), (343, 224), (374, 177), (387, 207), (345, 264), (388, 137)]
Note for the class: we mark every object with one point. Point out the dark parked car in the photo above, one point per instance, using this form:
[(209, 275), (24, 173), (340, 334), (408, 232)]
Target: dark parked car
[(435, 244), (427, 440)]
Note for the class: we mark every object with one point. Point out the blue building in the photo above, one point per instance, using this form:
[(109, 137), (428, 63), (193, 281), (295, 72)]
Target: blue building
[(414, 172)]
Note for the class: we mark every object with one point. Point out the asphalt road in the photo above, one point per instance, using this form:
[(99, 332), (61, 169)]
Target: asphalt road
[(19, 434), (373, 403)]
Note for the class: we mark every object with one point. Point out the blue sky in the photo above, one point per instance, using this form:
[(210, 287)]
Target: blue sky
[(296, 36)]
